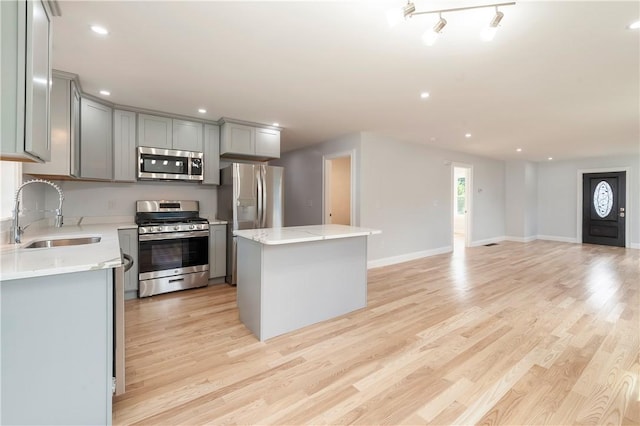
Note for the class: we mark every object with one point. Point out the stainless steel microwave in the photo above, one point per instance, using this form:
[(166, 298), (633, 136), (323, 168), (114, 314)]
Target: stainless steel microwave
[(169, 164)]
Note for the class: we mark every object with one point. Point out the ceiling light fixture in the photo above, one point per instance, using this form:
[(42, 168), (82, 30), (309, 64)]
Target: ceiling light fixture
[(424, 95), (490, 32), (202, 111), (105, 92), (99, 30), (467, 135), (276, 124), (519, 149), (550, 158), (634, 25), (429, 38)]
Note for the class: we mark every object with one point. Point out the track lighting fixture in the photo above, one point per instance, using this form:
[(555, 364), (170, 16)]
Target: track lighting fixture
[(430, 37)]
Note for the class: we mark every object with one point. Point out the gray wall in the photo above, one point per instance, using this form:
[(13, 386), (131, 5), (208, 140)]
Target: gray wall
[(521, 192), (403, 189), (303, 179), (407, 193), (558, 195)]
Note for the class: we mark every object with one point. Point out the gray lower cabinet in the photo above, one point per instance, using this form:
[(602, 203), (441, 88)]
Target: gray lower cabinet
[(65, 131), (57, 349), (96, 143), (128, 239), (25, 81), (124, 146), (211, 155), (217, 251)]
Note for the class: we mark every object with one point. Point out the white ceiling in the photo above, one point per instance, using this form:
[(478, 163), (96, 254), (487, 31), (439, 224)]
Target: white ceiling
[(560, 79)]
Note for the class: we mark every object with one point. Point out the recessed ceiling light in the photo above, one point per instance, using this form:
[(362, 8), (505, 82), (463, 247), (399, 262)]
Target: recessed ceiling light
[(99, 30), (550, 158), (202, 111), (519, 150), (467, 135), (424, 95), (276, 124), (635, 25), (105, 92)]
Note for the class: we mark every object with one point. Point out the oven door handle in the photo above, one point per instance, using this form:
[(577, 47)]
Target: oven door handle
[(172, 235)]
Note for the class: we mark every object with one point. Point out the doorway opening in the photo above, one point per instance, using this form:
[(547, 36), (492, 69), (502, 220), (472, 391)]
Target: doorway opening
[(338, 190), (461, 224)]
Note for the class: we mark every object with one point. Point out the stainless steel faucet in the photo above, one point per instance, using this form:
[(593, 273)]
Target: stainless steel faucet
[(17, 231)]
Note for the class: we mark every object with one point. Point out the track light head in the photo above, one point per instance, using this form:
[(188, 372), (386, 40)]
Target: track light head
[(437, 28), (431, 36), (496, 19), (408, 10), (490, 32)]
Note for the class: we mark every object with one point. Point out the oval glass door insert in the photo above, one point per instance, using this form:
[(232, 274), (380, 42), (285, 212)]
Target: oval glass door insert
[(603, 199)]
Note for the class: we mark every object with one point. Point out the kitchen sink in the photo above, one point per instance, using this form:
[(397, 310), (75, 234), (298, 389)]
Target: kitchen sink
[(63, 242)]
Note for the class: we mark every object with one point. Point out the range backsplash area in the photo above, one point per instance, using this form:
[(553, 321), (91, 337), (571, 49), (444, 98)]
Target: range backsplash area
[(90, 199)]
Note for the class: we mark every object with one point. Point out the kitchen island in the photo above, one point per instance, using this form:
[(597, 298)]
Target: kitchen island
[(292, 277)]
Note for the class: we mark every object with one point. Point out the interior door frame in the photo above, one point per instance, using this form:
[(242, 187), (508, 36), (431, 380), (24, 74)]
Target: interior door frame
[(326, 174), (468, 201), (627, 227)]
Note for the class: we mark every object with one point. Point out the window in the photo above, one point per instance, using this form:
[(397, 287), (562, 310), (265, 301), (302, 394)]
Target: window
[(11, 176), (603, 199)]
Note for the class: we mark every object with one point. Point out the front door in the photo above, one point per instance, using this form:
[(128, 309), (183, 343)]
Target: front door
[(603, 208)]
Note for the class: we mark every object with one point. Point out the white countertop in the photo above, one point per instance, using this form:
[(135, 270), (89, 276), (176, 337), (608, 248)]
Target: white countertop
[(17, 262), (301, 234)]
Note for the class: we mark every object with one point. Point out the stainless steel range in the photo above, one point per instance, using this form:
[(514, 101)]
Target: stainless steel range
[(173, 246)]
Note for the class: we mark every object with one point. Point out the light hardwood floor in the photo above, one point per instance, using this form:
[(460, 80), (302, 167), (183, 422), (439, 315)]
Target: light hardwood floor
[(537, 333)]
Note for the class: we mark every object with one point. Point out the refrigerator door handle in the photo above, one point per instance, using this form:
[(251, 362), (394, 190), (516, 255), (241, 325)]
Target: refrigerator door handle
[(263, 176), (259, 195)]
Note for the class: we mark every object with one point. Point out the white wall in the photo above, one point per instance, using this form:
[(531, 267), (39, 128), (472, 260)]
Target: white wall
[(558, 195), (118, 199), (303, 179)]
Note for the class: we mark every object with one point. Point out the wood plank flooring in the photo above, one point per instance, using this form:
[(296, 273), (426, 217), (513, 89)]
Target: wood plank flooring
[(536, 333)]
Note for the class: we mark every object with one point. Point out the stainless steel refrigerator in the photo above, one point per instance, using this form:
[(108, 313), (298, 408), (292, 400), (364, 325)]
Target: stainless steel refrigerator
[(250, 196)]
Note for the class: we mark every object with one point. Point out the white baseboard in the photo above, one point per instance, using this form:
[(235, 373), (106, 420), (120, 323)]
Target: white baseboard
[(407, 257), (559, 239), (634, 246), (521, 239), (493, 240)]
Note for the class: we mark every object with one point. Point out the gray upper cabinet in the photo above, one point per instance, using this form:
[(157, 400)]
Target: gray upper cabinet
[(124, 146), (267, 143), (238, 140), (211, 155), (155, 131), (65, 129), (168, 133), (25, 81), (96, 144), (187, 135)]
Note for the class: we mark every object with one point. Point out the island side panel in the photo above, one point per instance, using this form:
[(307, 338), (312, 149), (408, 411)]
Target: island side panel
[(56, 349), (249, 287), (305, 283)]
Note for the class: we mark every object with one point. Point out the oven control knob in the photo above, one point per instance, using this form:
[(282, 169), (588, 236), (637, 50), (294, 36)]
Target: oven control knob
[(192, 227), (158, 228), (176, 228)]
